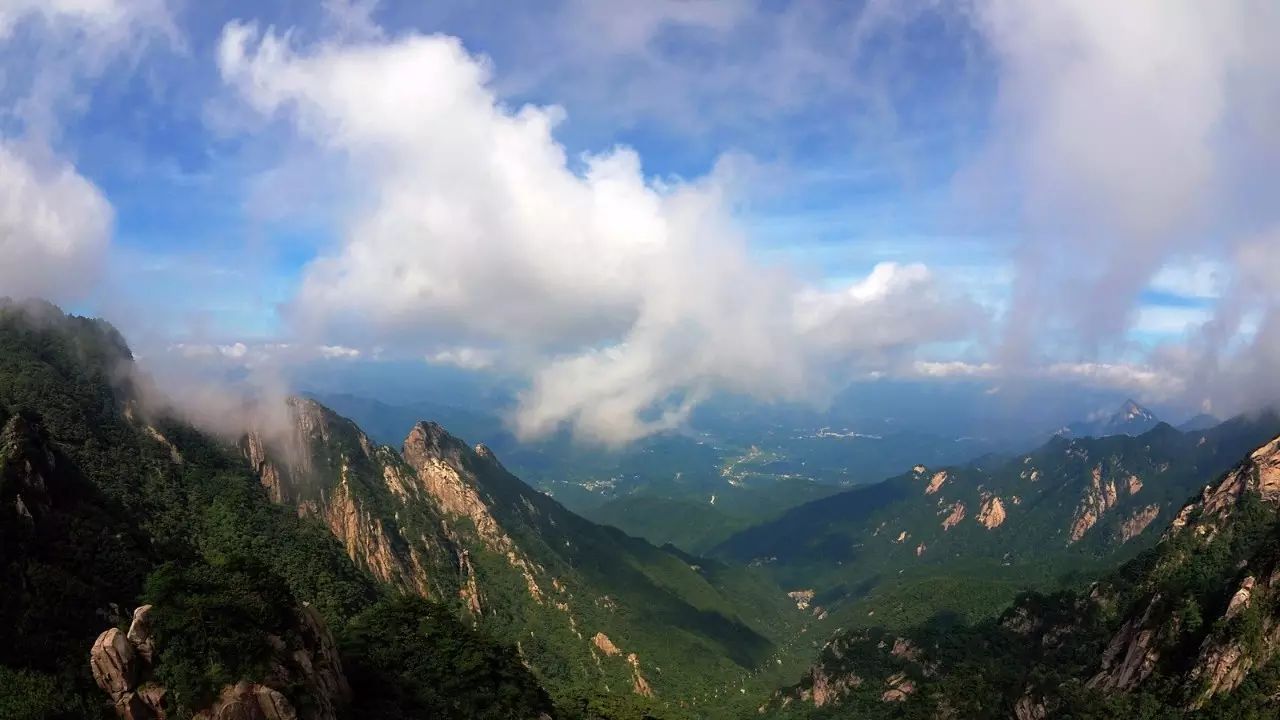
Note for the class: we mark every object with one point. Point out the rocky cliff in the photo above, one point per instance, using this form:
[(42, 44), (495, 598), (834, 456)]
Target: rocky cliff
[(447, 521)]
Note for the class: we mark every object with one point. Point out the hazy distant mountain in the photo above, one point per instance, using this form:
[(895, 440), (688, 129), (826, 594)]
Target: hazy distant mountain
[(1203, 421), (1130, 419), (1072, 503)]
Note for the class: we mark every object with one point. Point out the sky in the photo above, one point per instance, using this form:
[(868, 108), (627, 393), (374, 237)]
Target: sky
[(628, 209)]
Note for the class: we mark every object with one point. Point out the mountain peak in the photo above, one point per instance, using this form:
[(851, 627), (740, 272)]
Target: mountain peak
[(430, 438), (1131, 411), (1130, 418)]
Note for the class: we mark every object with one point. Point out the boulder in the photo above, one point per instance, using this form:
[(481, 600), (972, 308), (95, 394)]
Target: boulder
[(114, 663)]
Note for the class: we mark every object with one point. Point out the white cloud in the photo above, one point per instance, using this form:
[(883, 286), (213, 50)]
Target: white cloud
[(235, 351), (1127, 132), (1131, 141), (625, 299), (257, 354), (1138, 379), (953, 368), (467, 358), (108, 16), (1147, 381), (54, 228), (336, 352), (55, 224)]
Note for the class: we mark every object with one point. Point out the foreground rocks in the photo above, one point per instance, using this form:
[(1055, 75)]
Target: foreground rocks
[(123, 664)]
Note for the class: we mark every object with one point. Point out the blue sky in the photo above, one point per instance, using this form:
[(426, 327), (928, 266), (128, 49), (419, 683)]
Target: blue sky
[(828, 198), (669, 200)]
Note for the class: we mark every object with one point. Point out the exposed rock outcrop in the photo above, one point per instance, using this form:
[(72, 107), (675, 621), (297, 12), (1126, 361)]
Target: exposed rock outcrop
[(992, 514), (1135, 649), (936, 482), (825, 689), (1028, 708), (114, 663), (904, 649), (1098, 499), (438, 460), (1133, 526), (639, 685), (249, 701), (802, 598), (368, 541), (899, 687), (955, 513), (1225, 660), (306, 663), (1259, 474), (606, 646)]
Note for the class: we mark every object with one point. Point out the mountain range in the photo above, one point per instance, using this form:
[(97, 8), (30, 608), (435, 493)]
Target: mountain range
[(124, 504), (300, 568), (1189, 628), (967, 538)]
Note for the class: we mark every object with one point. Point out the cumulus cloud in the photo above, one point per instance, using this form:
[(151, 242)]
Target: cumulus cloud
[(625, 299)]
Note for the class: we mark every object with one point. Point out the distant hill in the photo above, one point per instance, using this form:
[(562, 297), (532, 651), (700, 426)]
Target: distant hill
[(1189, 629), (1072, 504), (1203, 421)]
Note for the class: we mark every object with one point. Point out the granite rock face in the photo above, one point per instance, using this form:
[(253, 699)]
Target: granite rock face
[(306, 665)]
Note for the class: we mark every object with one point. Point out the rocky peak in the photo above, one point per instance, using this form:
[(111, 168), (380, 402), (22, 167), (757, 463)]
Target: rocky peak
[(446, 470), (1131, 411), (1258, 475), (429, 440)]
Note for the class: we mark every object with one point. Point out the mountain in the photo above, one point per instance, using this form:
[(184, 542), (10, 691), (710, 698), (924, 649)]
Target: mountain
[(1203, 421), (586, 605), (1130, 419), (115, 517), (694, 488), (1190, 628), (968, 538), (303, 558)]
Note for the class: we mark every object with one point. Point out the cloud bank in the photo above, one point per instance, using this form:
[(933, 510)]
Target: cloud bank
[(1132, 141), (625, 299)]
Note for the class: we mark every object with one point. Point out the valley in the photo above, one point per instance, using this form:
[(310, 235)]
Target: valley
[(733, 472), (308, 546)]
